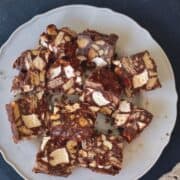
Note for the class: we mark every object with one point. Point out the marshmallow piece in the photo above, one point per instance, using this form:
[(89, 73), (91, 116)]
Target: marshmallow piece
[(124, 106), (99, 62), (99, 98), (69, 71)]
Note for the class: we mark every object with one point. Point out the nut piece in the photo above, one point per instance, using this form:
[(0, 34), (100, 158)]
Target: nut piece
[(99, 99), (71, 146), (107, 144), (140, 79), (94, 108), (55, 116), (59, 156), (92, 54), (82, 42), (72, 108), (83, 122), (31, 121), (69, 84)]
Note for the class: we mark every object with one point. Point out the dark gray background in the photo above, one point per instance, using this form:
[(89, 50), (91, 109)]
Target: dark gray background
[(160, 17)]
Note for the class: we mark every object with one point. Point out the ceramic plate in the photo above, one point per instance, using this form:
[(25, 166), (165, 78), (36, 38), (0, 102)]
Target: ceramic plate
[(139, 156)]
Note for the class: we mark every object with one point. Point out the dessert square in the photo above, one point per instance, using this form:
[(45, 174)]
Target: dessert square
[(102, 153), (96, 48), (137, 72), (27, 116), (131, 119)]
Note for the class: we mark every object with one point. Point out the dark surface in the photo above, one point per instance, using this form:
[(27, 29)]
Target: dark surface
[(160, 17)]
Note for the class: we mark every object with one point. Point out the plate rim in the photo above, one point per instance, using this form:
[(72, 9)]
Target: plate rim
[(108, 10)]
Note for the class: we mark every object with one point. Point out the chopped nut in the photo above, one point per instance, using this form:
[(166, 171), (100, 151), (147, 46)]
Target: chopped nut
[(82, 42), (94, 108), (92, 164), (69, 84), (100, 42), (59, 156), (83, 122), (92, 54), (55, 116), (31, 121), (71, 146), (108, 144), (72, 108), (56, 123), (83, 153), (106, 110)]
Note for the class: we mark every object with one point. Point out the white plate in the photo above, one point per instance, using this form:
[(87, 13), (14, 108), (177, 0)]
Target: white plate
[(139, 156)]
